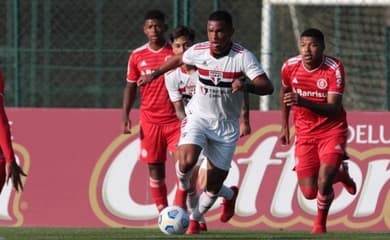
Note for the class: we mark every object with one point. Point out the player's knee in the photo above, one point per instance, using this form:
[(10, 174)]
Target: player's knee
[(309, 192)]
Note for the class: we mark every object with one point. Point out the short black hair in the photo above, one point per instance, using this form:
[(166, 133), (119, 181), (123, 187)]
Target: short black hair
[(314, 33), (221, 15), (184, 31), (155, 14)]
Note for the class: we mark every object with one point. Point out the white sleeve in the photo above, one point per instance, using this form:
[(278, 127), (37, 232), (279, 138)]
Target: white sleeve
[(188, 56), (252, 67), (172, 84)]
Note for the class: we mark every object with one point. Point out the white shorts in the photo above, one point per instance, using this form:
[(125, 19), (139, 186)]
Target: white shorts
[(218, 138)]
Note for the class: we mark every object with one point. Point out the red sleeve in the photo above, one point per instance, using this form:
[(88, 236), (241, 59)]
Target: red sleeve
[(337, 82), (285, 75), (5, 133), (133, 72)]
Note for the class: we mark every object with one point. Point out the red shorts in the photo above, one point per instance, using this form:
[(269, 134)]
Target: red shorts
[(156, 139), (311, 152)]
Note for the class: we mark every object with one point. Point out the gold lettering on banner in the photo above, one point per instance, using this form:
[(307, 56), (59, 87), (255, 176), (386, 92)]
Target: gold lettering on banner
[(257, 157)]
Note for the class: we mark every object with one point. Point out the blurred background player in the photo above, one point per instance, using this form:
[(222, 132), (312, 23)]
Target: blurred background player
[(159, 126), (9, 169), (181, 84), (312, 86)]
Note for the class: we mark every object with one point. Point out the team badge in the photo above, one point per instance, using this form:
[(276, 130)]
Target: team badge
[(215, 76), (322, 83)]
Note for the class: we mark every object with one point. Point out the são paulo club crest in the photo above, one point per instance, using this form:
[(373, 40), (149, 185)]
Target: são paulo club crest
[(215, 76)]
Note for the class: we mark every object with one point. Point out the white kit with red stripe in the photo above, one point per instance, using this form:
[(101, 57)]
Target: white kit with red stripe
[(213, 97)]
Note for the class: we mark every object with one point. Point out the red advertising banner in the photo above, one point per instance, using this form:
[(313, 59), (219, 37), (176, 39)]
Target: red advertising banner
[(82, 172)]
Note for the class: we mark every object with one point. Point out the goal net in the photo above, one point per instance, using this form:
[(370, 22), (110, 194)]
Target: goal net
[(354, 31)]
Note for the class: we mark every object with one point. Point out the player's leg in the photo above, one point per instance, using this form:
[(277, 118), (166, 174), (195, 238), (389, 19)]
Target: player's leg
[(331, 151), (344, 177), (325, 197), (198, 181), (153, 152), (157, 185), (215, 179), (219, 151), (307, 167), (187, 155), (192, 139), (193, 197)]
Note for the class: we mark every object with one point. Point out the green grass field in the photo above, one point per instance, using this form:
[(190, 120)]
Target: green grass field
[(146, 233)]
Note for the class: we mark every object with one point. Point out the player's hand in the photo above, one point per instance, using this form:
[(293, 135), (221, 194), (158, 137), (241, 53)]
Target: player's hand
[(238, 85), (144, 79), (291, 98), (126, 127), (245, 128), (284, 136), (15, 173)]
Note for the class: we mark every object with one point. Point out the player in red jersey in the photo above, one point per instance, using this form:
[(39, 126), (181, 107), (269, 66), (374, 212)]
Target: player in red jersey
[(313, 86), (159, 126), (9, 169)]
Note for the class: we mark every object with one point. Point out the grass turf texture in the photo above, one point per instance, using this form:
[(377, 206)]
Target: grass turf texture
[(19, 233)]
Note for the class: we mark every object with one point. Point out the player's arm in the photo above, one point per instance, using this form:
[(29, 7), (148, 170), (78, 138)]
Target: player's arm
[(171, 63), (129, 96), (260, 85), (12, 169), (285, 115), (330, 109), (179, 108), (245, 127)]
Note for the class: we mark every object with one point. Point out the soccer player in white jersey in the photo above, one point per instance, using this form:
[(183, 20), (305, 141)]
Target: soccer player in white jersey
[(181, 84), (212, 123)]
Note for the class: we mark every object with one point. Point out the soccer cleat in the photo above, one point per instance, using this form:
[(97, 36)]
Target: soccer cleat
[(193, 227), (202, 224), (203, 227), (181, 198), (229, 205), (346, 179), (318, 229)]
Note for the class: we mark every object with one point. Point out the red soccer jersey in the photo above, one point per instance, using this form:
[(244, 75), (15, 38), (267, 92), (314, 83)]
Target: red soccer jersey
[(7, 151), (155, 104), (315, 85)]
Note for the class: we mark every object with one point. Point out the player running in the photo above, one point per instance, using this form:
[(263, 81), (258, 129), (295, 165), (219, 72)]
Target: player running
[(312, 86), (181, 84), (159, 126), (214, 111)]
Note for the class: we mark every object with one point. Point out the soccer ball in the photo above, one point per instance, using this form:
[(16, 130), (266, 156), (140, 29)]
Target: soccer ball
[(173, 220)]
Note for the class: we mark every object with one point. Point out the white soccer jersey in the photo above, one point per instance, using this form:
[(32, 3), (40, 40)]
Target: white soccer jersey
[(213, 97), (180, 85)]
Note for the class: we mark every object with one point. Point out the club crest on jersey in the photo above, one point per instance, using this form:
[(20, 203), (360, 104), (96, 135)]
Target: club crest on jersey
[(215, 76), (322, 83)]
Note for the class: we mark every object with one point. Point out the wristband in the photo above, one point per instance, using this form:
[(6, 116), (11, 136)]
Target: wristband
[(156, 74)]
